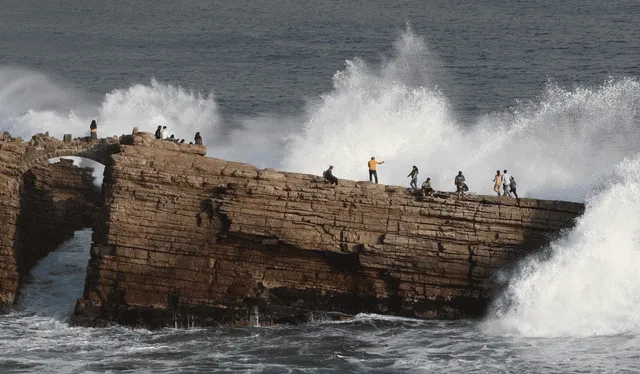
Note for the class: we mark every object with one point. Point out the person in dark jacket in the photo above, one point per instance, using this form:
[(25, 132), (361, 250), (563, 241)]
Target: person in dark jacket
[(414, 177), (512, 186), (328, 175), (159, 132), (461, 186), (93, 127), (198, 138)]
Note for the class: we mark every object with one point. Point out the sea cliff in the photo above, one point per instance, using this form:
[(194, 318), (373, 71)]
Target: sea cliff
[(184, 240)]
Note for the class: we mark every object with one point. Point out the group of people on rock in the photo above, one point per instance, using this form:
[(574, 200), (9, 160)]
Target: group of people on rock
[(163, 134), (506, 181)]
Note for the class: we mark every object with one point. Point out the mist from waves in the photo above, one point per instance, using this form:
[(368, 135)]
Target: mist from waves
[(31, 103), (557, 146), (587, 282)]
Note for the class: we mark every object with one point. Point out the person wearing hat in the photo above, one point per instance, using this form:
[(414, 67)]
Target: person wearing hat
[(372, 168)]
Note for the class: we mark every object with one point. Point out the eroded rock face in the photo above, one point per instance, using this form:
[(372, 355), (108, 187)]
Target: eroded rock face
[(186, 240), (41, 205), (51, 202)]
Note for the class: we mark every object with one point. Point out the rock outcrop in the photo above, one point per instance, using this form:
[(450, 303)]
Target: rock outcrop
[(187, 240), (40, 204)]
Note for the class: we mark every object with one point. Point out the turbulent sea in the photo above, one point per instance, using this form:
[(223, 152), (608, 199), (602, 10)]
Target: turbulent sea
[(548, 90)]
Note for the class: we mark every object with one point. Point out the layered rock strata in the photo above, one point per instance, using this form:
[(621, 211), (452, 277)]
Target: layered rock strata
[(41, 205), (187, 240)]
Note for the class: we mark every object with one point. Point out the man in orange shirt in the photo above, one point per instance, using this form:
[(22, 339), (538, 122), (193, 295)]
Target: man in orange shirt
[(372, 168)]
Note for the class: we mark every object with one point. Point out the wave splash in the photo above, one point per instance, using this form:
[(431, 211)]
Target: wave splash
[(556, 146), (31, 103), (589, 283)]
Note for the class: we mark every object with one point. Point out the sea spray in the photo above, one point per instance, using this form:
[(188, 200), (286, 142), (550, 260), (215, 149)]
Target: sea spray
[(31, 103), (589, 283), (184, 112), (556, 146)]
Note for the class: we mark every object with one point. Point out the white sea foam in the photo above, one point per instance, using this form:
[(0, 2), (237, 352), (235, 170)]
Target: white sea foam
[(590, 283), (556, 147)]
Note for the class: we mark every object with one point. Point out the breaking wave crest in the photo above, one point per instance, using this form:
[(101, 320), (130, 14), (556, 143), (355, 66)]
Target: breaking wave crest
[(588, 284), (556, 146)]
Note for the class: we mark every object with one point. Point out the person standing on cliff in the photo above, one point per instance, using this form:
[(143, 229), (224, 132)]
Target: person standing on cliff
[(497, 181), (414, 177), (461, 186), (198, 138), (512, 187), (505, 184), (372, 168), (328, 175), (93, 127)]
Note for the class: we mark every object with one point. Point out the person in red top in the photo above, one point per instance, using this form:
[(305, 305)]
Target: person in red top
[(372, 168)]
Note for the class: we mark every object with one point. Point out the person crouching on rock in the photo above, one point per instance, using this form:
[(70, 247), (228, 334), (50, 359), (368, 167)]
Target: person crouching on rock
[(328, 175), (93, 127), (461, 186), (426, 187)]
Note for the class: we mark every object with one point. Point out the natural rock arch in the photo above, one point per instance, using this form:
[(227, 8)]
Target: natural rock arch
[(100, 152), (24, 196)]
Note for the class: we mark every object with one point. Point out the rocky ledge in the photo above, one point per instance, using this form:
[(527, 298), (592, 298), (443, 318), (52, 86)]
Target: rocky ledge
[(188, 240)]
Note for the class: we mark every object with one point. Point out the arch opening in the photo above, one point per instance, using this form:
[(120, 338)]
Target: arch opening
[(57, 199)]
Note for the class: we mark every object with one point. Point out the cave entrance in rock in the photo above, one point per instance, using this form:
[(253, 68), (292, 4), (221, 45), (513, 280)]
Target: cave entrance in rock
[(59, 203)]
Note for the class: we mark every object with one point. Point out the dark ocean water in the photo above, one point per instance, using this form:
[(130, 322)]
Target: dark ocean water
[(548, 89), (271, 56)]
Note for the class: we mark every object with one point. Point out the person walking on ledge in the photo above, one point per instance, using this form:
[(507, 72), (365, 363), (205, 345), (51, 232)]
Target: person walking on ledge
[(93, 127), (505, 183), (372, 168), (414, 177), (512, 187), (497, 181)]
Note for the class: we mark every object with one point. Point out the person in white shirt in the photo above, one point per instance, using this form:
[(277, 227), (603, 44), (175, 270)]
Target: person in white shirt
[(164, 133), (505, 184)]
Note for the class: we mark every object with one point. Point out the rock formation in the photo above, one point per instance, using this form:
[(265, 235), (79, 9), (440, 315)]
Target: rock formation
[(187, 240), (190, 240)]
